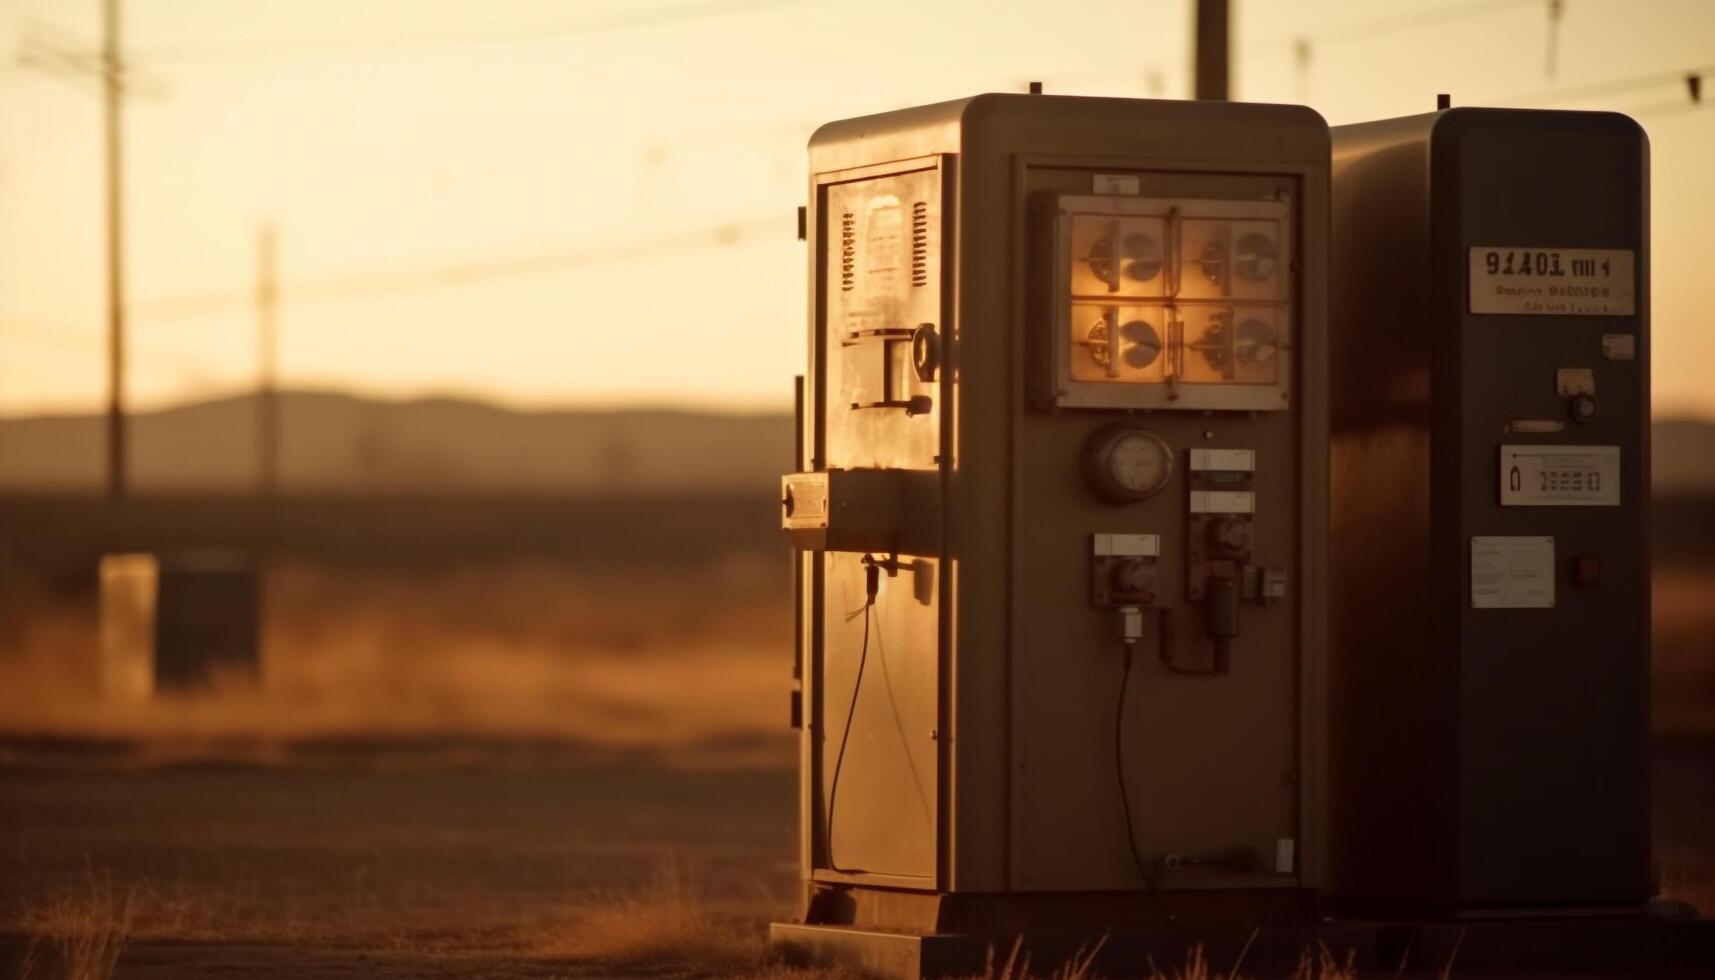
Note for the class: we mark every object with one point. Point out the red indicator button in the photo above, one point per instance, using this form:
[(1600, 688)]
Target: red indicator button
[(1587, 570)]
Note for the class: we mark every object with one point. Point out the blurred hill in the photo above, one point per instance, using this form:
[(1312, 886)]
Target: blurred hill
[(336, 443)]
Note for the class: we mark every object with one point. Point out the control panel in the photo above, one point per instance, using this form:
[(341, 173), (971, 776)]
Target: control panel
[(1168, 308)]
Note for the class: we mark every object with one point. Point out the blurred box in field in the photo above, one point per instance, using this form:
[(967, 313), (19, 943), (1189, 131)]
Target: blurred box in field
[(173, 622)]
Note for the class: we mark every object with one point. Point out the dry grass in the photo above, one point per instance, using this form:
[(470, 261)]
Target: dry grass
[(519, 652), (1016, 967), (1322, 964), (80, 932), (537, 651), (668, 926)]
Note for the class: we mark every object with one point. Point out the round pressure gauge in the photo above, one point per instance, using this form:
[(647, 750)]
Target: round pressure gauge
[(1256, 344), (1256, 257), (1124, 463)]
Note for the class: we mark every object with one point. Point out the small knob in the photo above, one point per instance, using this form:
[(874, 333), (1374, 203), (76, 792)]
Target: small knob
[(1582, 407), (1229, 534), (1132, 576)]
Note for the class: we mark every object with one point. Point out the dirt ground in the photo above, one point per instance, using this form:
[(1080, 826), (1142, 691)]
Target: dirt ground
[(524, 870), (487, 867), (520, 771)]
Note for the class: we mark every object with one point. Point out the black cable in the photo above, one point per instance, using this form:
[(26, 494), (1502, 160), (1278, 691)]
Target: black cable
[(1143, 867), (1148, 870), (872, 580)]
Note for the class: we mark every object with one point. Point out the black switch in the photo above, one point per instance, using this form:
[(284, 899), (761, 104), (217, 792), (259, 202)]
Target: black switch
[(1583, 408)]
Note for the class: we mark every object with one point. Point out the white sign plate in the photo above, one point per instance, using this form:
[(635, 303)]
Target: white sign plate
[(1512, 573), (1140, 545), (1560, 476), (1116, 184), (1563, 281), (1619, 346), (1223, 502), (1230, 460), (1574, 381)]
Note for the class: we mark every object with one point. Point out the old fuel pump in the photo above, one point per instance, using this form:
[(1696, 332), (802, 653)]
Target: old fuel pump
[(1061, 516), (1490, 491)]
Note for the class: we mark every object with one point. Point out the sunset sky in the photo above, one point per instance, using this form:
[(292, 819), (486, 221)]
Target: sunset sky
[(591, 203)]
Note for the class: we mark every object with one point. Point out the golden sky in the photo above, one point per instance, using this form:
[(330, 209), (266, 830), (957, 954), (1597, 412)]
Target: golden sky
[(590, 202)]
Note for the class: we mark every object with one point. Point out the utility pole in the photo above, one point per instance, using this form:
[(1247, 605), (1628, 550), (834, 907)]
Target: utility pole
[(1213, 41), (112, 106), (267, 365), (118, 81)]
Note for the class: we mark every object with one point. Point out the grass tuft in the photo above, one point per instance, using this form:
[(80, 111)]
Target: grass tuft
[(79, 933), (1321, 964), (666, 927)]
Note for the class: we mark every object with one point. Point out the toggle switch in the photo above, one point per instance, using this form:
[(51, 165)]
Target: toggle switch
[(1229, 534), (1582, 407)]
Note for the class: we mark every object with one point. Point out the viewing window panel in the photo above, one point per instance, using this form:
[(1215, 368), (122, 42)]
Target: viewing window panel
[(1172, 303), (1118, 343), (1119, 256)]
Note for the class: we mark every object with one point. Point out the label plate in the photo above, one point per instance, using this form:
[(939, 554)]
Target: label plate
[(1227, 460), (1116, 184), (1223, 502), (1552, 281), (1560, 476), (1574, 381), (1512, 573), (1121, 545), (1619, 346)]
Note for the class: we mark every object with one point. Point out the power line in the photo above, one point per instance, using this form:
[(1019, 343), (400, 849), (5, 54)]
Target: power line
[(259, 49), (1656, 110), (1299, 46), (1612, 86), (1418, 20), (82, 338), (354, 285)]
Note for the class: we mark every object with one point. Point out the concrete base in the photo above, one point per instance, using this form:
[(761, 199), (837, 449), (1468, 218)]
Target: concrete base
[(1639, 946), (1039, 953), (880, 954)]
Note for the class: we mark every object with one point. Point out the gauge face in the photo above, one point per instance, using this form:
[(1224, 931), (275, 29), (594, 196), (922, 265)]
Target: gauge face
[(1256, 344), (1138, 256), (1140, 344), (1124, 463), (1139, 463), (1255, 259)]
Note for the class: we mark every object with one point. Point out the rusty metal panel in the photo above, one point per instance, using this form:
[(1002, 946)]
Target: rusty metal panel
[(877, 695), (883, 282)]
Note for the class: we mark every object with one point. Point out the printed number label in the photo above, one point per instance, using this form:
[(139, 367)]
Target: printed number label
[(1549, 281)]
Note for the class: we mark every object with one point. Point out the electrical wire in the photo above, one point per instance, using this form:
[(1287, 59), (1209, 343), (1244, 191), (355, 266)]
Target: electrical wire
[(1150, 871), (871, 574), (1143, 867), (1611, 86), (340, 287), (253, 49)]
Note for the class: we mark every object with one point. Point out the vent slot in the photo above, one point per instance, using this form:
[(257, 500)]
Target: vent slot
[(848, 251), (920, 243)]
